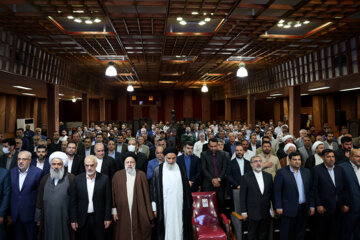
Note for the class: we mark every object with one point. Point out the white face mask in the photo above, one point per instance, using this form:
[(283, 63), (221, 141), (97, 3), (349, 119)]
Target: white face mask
[(131, 148), (5, 150)]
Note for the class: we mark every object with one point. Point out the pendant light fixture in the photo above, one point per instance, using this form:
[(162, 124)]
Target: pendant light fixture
[(242, 72), (204, 88), (130, 88), (111, 70)]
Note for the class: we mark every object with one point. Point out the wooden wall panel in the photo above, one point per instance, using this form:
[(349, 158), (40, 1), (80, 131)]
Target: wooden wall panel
[(2, 112), (187, 104)]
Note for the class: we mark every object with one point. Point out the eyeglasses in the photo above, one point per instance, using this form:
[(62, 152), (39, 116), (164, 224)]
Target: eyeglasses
[(257, 161), (23, 159)]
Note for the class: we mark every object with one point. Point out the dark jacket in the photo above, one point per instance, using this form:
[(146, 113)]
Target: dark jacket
[(53, 147), (46, 168), (310, 162), (141, 162), (3, 160), (227, 147), (108, 166), (340, 156), (117, 160), (286, 195), (207, 167), (195, 170), (5, 190), (233, 173), (101, 200), (255, 204), (352, 189), (77, 166), (327, 194)]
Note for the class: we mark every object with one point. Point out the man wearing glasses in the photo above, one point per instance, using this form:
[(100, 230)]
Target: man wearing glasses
[(25, 181)]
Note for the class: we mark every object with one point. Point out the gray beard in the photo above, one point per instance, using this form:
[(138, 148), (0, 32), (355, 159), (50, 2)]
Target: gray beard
[(130, 171), (57, 175)]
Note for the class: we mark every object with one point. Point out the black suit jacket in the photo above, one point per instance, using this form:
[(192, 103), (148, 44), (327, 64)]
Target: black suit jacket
[(77, 166), (255, 204), (327, 194), (227, 147), (233, 173), (207, 167), (195, 170), (310, 162), (117, 160), (108, 166), (205, 147), (101, 200), (340, 156), (53, 147), (3, 160), (141, 162), (46, 168)]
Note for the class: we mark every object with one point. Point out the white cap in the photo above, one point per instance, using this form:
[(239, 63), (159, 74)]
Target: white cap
[(289, 145), (59, 155)]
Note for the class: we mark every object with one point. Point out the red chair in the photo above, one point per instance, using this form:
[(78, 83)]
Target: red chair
[(205, 219)]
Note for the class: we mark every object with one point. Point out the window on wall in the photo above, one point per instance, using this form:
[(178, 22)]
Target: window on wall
[(329, 62), (343, 57), (354, 55)]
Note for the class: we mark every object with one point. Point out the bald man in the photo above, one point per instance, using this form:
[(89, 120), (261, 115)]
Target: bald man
[(106, 164)]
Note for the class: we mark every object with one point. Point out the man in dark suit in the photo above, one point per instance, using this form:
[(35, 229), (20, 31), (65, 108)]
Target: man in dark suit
[(231, 144), (5, 190), (328, 195), (9, 159), (351, 209), (121, 146), (41, 161), (343, 153), (293, 198), (256, 194), (25, 181), (237, 167), (75, 162), (90, 202), (55, 145), (112, 151), (192, 165), (99, 139), (254, 143), (213, 169), (106, 165)]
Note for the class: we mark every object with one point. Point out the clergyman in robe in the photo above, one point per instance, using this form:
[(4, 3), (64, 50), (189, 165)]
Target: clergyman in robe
[(132, 210), (171, 199), (52, 205)]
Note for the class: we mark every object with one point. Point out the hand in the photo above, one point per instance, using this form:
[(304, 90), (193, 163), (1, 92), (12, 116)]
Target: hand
[(155, 214), (268, 164), (107, 224), (190, 183), (1, 220), (37, 223), (279, 211), (244, 216), (320, 209), (115, 217), (345, 208), (238, 187), (74, 226), (311, 211), (215, 182)]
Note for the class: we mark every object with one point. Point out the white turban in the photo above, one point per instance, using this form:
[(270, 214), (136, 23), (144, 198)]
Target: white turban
[(285, 125), (288, 146), (59, 155), (315, 145), (287, 137)]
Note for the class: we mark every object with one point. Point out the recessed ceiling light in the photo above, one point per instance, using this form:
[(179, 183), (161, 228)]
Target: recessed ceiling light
[(276, 94), (207, 19), (22, 87), (61, 94), (179, 19), (78, 20), (298, 24), (281, 21), (97, 20), (70, 17), (28, 94), (88, 21), (204, 13), (183, 22), (287, 26), (280, 25), (202, 23), (212, 14), (195, 13), (306, 22), (304, 94), (78, 11), (317, 89), (349, 89)]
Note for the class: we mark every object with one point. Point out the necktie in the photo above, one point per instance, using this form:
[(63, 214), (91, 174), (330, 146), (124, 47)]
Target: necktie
[(216, 171)]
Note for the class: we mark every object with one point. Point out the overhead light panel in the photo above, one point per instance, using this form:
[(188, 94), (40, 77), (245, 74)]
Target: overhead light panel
[(183, 22), (61, 94), (242, 71), (28, 94), (202, 23), (97, 20), (204, 88), (88, 21), (130, 88), (70, 17), (195, 13), (78, 11), (78, 20), (276, 94), (287, 26), (349, 89), (22, 87), (73, 100), (298, 24), (306, 22), (207, 19), (111, 70), (281, 21), (318, 89), (304, 94), (179, 19), (280, 25)]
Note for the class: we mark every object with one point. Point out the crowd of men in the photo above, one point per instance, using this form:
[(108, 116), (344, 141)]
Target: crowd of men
[(106, 182)]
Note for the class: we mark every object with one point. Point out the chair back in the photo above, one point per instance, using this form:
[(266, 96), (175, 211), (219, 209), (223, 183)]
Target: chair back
[(205, 208)]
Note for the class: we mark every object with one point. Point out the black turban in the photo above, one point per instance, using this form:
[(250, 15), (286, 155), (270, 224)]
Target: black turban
[(130, 154), (170, 150)]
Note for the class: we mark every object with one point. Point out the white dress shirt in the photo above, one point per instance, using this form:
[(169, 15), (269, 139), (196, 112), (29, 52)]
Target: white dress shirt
[(260, 181), (357, 171), (22, 176), (40, 164), (87, 152), (241, 165), (248, 154), (98, 167), (90, 183), (70, 163)]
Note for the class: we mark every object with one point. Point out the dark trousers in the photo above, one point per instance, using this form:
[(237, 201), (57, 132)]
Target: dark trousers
[(258, 230), (25, 230), (328, 225), (351, 226), (293, 228), (3, 230), (92, 231)]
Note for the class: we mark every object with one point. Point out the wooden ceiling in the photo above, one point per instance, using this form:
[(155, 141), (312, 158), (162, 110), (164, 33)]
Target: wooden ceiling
[(152, 50)]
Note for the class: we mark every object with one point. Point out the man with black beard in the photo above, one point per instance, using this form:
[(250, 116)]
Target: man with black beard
[(41, 161), (52, 205), (75, 162)]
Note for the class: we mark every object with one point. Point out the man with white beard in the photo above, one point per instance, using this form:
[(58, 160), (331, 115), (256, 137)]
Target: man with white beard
[(90, 206), (171, 199), (52, 206), (131, 211)]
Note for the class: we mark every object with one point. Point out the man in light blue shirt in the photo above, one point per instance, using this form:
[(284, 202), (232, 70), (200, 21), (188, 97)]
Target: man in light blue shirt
[(155, 162)]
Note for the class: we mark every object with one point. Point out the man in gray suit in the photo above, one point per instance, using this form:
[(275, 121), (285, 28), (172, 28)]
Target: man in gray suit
[(305, 150), (142, 147), (121, 146), (329, 142)]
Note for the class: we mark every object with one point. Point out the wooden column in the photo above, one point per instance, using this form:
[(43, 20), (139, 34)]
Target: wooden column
[(43, 113), (35, 111), (187, 104), (121, 105), (205, 107), (251, 109), (317, 112), (11, 115), (28, 103), (52, 108), (227, 109), (286, 109), (102, 109), (330, 108), (85, 109), (358, 105), (168, 104), (294, 110), (277, 111), (2, 112)]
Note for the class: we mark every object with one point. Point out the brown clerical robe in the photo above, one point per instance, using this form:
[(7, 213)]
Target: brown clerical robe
[(142, 215)]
